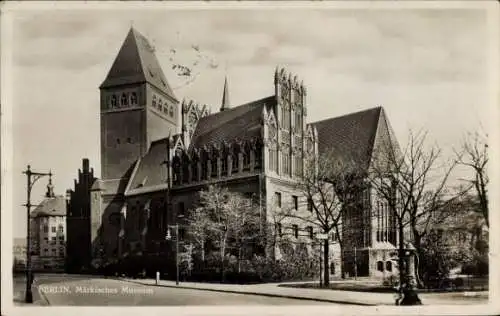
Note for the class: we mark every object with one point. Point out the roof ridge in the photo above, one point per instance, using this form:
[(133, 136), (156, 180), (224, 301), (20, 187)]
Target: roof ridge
[(374, 135), (349, 114)]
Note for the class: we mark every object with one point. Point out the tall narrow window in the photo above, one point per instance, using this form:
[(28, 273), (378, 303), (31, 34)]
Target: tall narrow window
[(295, 201), (133, 98), (194, 171), (154, 101), (273, 159), (113, 101), (223, 164), (295, 229), (311, 232), (171, 111), (235, 163), (246, 160), (214, 167), (124, 100), (160, 104), (182, 209), (310, 205), (277, 199)]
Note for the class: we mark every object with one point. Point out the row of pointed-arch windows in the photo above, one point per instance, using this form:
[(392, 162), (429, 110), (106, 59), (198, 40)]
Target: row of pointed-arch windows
[(162, 106), (116, 101), (183, 177)]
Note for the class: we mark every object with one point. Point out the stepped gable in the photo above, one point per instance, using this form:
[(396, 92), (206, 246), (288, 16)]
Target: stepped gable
[(350, 137), (243, 122), (136, 63)]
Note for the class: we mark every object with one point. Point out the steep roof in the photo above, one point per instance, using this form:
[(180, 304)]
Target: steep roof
[(136, 63), (150, 169), (350, 137), (241, 122), (55, 206)]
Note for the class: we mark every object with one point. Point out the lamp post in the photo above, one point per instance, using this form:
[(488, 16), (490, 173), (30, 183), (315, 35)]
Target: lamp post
[(168, 236), (31, 177)]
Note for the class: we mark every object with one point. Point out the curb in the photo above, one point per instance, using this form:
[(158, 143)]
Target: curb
[(42, 298), (254, 293)]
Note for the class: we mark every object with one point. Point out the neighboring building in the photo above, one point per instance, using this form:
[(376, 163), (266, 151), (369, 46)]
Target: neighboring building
[(79, 250), (19, 253), (48, 233), (157, 153)]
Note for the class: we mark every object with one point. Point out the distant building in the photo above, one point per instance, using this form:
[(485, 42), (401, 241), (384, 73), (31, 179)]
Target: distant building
[(48, 232), (19, 253), (157, 153)]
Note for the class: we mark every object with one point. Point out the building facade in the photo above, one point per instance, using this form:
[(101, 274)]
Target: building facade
[(77, 210), (48, 233), (157, 153)]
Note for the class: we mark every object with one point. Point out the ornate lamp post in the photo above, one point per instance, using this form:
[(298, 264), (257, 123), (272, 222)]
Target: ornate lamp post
[(32, 177)]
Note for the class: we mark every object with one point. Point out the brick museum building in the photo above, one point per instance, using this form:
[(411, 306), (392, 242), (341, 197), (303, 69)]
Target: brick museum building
[(157, 153)]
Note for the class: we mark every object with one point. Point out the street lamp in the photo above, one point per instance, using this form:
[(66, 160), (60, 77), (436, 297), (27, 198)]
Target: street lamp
[(168, 236), (32, 177)]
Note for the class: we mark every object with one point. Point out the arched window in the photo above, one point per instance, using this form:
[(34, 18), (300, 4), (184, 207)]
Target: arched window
[(165, 108), (171, 111), (273, 159), (388, 266), (235, 163), (160, 104), (133, 98), (176, 168), (124, 100), (258, 157), (214, 166), (223, 164), (204, 169), (246, 158), (194, 171), (380, 266), (185, 171), (113, 101)]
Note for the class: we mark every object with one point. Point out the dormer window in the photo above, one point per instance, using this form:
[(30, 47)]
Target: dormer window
[(133, 98), (124, 100)]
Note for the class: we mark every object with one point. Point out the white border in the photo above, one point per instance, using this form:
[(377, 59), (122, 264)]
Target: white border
[(9, 9)]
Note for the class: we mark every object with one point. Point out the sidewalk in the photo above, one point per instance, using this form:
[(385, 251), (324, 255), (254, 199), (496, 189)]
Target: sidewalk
[(327, 296)]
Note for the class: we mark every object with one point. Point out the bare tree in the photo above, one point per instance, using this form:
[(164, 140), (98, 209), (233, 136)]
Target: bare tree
[(224, 218), (413, 183), (331, 186), (474, 154), (198, 223)]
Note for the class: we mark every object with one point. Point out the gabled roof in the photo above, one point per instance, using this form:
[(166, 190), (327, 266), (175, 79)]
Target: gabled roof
[(350, 137), (136, 63), (150, 169), (242, 122), (55, 206)]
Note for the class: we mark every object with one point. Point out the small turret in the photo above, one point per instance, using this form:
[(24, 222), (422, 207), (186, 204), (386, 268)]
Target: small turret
[(225, 97)]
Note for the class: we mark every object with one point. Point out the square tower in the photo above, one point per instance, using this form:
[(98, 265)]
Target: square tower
[(138, 106)]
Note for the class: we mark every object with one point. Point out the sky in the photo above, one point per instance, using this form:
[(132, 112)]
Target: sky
[(428, 68)]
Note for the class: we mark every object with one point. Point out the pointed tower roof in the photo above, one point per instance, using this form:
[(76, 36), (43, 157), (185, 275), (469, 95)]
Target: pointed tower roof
[(225, 97), (136, 63)]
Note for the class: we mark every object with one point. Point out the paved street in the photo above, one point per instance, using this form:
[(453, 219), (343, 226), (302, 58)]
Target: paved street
[(94, 291)]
